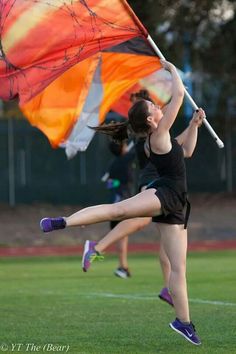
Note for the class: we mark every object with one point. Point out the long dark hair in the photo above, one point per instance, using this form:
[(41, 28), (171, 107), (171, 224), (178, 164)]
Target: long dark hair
[(138, 114), (141, 94), (117, 130), (136, 122)]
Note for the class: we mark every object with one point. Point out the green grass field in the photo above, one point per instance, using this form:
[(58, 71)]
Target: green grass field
[(50, 301)]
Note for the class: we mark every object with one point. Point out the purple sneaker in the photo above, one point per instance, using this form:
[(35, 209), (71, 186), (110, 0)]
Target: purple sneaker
[(165, 296), (50, 224), (90, 255), (186, 330)]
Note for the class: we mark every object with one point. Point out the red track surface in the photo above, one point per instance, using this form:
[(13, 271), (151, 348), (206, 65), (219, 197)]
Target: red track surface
[(133, 248)]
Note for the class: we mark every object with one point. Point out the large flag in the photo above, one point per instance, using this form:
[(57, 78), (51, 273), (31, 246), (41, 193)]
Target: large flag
[(87, 92), (69, 61), (159, 85), (42, 39)]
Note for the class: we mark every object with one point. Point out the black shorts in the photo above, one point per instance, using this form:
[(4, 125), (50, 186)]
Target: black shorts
[(172, 204)]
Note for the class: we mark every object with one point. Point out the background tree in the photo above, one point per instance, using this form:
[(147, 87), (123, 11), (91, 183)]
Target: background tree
[(208, 29)]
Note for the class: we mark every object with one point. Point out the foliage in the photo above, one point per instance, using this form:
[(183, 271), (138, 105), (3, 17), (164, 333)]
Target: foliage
[(205, 25), (207, 30)]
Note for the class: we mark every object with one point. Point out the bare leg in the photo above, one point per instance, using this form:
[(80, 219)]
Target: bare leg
[(145, 203), (123, 252), (121, 230), (174, 239), (165, 265)]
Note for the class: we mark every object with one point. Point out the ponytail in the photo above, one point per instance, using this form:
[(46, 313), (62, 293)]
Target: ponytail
[(118, 131), (136, 124)]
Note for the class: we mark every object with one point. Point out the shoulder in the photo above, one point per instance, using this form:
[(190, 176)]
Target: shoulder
[(160, 142)]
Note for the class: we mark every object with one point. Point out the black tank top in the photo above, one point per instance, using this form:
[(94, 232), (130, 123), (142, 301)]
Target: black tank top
[(171, 167), (140, 153)]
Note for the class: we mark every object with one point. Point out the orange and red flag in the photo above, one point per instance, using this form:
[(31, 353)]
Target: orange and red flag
[(69, 61)]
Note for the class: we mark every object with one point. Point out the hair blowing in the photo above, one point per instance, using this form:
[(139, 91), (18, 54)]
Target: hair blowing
[(118, 131), (136, 123)]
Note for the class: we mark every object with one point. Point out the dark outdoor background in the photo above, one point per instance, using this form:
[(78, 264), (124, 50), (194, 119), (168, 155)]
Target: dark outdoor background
[(37, 173), (197, 36)]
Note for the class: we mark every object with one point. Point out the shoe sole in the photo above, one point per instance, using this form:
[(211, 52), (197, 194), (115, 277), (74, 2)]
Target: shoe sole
[(86, 248), (163, 299), (183, 335)]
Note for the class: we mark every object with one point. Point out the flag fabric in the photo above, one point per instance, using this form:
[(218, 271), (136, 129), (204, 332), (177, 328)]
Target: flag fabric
[(69, 61), (42, 39), (103, 80), (159, 86)]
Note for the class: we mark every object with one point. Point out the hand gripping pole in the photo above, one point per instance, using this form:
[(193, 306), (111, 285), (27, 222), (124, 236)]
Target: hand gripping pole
[(205, 122)]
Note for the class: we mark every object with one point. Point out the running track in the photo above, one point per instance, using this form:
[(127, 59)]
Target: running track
[(133, 248)]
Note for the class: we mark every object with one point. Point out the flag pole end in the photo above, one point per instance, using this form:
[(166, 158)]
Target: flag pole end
[(220, 143)]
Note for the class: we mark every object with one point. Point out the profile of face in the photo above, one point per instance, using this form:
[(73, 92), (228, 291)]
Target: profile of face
[(155, 114), (143, 116)]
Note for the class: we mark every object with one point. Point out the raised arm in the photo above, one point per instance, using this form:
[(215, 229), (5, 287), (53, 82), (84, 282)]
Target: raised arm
[(188, 139), (177, 98)]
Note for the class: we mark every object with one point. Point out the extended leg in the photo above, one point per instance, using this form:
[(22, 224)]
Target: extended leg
[(143, 204), (165, 265), (123, 252), (175, 245), (124, 228), (166, 270), (120, 231), (174, 240)]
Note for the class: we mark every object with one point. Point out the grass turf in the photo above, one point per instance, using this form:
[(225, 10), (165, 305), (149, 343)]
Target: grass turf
[(48, 301)]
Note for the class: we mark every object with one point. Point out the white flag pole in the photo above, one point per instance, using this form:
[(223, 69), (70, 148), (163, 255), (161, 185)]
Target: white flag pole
[(205, 122)]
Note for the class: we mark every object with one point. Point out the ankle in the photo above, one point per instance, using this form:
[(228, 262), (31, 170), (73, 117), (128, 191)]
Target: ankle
[(125, 267), (65, 221), (184, 321), (97, 249)]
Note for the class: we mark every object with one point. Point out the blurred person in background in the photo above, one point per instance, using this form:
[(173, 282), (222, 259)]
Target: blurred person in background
[(119, 179)]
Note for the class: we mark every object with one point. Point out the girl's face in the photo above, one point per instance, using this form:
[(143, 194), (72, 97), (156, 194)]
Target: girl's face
[(155, 111)]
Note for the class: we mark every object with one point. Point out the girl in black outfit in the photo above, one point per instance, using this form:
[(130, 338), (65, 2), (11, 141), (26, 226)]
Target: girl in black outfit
[(165, 198)]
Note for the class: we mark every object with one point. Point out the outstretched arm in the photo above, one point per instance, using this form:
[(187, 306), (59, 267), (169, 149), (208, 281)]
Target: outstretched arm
[(173, 107), (188, 139)]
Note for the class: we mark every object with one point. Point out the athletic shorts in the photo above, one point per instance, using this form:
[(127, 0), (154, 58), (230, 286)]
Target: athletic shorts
[(172, 205)]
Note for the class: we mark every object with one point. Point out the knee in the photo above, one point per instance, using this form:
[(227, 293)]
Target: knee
[(179, 268), (142, 223), (164, 261), (146, 222)]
